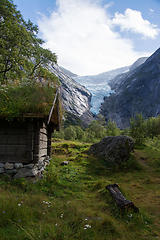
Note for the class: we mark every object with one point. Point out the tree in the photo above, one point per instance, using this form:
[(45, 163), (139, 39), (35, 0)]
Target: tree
[(112, 129), (96, 130), (69, 133), (137, 128), (21, 52)]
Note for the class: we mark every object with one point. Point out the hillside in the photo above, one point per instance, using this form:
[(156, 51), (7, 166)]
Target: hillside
[(135, 91), (72, 202)]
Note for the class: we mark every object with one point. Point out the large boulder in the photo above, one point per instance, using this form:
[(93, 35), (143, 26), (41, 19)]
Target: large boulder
[(114, 149)]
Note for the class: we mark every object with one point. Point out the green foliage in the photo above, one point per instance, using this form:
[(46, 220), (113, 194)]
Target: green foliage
[(112, 129), (152, 127), (96, 130), (27, 97), (69, 133), (137, 128), (142, 129), (21, 53)]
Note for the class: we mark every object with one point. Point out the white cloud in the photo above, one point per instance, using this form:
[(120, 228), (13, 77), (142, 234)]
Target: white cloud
[(132, 21), (80, 33)]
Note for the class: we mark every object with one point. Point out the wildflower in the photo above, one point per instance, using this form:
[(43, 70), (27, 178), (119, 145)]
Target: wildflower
[(44, 213), (87, 226), (19, 220), (19, 205), (145, 222), (56, 224), (61, 215), (3, 212)]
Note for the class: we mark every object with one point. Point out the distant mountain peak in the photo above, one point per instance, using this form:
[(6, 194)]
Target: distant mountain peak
[(137, 91)]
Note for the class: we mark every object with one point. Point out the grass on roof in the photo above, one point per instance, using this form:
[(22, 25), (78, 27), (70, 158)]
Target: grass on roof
[(17, 99)]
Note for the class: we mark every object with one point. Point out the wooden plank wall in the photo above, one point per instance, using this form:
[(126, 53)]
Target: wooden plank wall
[(40, 141), (13, 142)]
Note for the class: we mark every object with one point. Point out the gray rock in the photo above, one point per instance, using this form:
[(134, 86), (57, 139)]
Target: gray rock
[(29, 166), (113, 149), (24, 172), (8, 166), (12, 171), (40, 164), (18, 165), (1, 165), (2, 170), (65, 163)]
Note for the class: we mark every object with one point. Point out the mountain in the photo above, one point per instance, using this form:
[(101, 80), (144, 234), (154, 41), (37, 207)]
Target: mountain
[(98, 85), (137, 91), (76, 98), (69, 73)]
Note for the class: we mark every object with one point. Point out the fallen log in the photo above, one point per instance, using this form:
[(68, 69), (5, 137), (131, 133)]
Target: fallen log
[(121, 201)]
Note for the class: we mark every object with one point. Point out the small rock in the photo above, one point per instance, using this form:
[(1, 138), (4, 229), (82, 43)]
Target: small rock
[(1, 165), (65, 163), (18, 165), (24, 172), (29, 166), (40, 164), (12, 171), (8, 166), (1, 170)]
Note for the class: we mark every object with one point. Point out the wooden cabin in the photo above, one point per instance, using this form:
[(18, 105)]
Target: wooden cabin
[(28, 140)]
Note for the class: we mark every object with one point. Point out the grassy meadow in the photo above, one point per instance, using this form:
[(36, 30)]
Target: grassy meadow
[(71, 201)]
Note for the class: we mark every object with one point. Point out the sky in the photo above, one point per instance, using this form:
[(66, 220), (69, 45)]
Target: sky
[(94, 36)]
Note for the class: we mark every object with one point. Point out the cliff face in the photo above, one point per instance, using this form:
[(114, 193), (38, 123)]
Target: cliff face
[(135, 91), (76, 98)]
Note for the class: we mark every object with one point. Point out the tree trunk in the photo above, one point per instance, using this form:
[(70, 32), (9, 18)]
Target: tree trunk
[(121, 201)]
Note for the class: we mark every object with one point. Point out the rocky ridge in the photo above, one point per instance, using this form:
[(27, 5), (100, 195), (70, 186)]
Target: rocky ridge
[(75, 97), (137, 91)]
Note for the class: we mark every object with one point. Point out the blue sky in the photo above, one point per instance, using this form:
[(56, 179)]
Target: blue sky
[(94, 36)]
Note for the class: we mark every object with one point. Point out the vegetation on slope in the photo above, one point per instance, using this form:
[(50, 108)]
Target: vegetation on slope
[(71, 201), (140, 129)]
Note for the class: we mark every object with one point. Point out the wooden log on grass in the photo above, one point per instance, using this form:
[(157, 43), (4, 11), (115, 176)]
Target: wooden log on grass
[(119, 198)]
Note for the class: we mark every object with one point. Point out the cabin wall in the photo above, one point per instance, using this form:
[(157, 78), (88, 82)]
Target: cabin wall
[(40, 141), (25, 147), (13, 142)]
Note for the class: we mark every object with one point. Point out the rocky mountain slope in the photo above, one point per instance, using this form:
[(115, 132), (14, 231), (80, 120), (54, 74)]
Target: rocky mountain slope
[(76, 98), (98, 85), (135, 91)]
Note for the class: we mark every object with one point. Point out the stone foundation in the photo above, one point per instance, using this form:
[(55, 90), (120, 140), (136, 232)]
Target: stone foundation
[(20, 170)]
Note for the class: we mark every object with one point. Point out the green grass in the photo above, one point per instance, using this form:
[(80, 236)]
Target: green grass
[(17, 99), (71, 201)]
